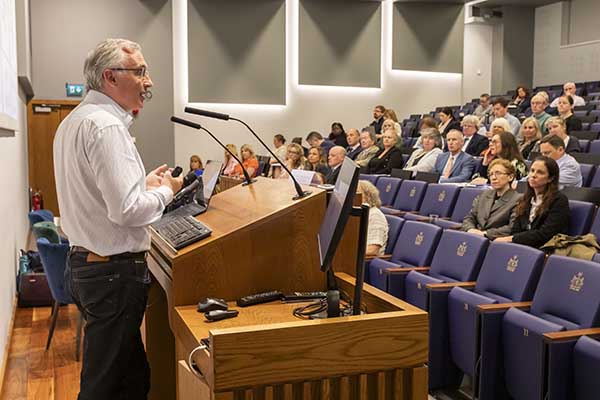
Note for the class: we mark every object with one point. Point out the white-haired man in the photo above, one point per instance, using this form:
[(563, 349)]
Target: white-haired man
[(569, 89), (106, 203)]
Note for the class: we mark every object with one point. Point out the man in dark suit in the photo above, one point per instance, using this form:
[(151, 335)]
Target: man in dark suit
[(315, 139), (353, 139), (378, 118), (455, 165), (335, 160), (474, 143)]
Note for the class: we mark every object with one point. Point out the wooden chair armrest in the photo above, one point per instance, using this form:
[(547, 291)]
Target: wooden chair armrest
[(450, 285), (383, 257), (570, 335), (400, 270), (504, 306)]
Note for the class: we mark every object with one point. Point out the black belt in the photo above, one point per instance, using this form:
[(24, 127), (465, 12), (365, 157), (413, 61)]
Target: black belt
[(122, 256)]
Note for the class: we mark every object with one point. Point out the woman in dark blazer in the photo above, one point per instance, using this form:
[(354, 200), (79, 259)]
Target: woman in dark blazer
[(543, 211), (492, 209), (447, 122), (387, 158)]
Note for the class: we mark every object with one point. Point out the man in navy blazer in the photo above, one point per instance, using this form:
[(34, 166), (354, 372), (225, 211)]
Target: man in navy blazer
[(455, 165), (353, 139)]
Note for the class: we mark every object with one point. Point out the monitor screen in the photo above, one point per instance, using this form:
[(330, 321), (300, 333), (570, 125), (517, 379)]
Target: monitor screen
[(338, 211), (210, 176)]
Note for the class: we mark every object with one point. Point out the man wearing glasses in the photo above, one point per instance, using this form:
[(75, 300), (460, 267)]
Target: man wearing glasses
[(106, 203)]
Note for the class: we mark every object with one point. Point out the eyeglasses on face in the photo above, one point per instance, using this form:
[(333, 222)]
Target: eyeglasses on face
[(140, 72), (497, 174)]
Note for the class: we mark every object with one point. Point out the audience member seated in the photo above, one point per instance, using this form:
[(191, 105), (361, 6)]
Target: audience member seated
[(475, 144), (338, 135), (249, 161), (391, 114), (501, 111), (492, 209), (569, 89), (539, 102), (378, 118), (447, 121), (315, 139), (230, 162), (497, 126), (426, 122), (280, 148), (484, 109), (377, 235), (298, 140), (335, 160), (570, 171), (388, 125), (295, 160), (388, 157), (196, 165), (454, 166), (565, 111), (530, 137), (502, 146), (353, 139), (556, 126), (423, 160), (521, 100), (317, 160), (369, 149), (543, 211)]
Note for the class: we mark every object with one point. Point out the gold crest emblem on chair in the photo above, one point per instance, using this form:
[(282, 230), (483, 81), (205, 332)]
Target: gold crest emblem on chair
[(442, 196), (512, 264), (419, 239), (577, 282), (461, 250)]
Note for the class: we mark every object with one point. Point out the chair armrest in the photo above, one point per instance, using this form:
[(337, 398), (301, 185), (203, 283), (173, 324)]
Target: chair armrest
[(450, 285), (397, 213), (400, 270), (383, 257), (523, 305), (570, 335)]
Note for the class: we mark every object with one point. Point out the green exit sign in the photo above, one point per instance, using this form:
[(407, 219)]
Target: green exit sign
[(74, 89)]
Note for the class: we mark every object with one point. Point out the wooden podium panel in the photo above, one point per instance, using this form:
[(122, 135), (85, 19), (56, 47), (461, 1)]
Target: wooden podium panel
[(265, 349), (262, 240)]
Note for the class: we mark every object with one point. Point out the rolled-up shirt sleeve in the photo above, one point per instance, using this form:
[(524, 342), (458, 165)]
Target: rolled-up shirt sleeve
[(121, 179)]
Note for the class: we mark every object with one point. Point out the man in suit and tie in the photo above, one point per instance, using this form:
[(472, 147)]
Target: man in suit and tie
[(335, 160), (353, 139), (455, 165), (474, 144)]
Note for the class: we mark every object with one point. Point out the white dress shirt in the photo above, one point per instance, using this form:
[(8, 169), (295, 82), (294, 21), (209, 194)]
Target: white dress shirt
[(101, 180)]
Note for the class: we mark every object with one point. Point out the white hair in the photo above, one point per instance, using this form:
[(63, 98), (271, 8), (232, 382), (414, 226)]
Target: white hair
[(502, 123), (109, 53)]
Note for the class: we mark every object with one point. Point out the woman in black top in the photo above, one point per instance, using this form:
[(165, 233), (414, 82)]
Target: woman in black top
[(530, 137), (447, 121), (565, 111), (387, 158), (521, 99), (316, 159), (338, 135), (543, 211)]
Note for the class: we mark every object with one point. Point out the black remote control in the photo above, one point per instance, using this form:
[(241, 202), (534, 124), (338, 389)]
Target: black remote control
[(259, 298), (218, 315), (303, 296)]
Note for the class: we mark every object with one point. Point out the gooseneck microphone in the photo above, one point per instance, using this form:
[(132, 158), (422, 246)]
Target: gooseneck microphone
[(194, 125), (186, 190), (226, 117)]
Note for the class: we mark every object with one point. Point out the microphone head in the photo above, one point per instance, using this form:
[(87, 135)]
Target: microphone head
[(176, 171), (206, 113)]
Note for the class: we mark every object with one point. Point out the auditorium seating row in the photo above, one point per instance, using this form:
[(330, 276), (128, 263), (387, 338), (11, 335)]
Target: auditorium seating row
[(493, 308), (417, 200)]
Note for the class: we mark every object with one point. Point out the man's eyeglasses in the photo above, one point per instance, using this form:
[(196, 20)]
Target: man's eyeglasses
[(140, 72)]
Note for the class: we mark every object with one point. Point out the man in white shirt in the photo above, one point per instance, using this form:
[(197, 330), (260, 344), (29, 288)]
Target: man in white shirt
[(501, 111), (570, 171), (569, 89), (106, 204)]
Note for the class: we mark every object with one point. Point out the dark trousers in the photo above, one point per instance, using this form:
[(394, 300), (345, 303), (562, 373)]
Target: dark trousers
[(112, 297)]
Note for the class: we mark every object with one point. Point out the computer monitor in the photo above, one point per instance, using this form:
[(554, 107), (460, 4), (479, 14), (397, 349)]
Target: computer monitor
[(338, 212), (210, 177)]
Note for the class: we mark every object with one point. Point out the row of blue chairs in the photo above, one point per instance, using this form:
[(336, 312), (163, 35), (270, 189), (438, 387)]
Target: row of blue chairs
[(493, 302), (417, 200)]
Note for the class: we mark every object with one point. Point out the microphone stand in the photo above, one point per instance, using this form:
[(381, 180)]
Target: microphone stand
[(226, 117), (194, 125)]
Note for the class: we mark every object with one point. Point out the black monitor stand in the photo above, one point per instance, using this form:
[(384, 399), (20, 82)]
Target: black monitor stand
[(333, 294)]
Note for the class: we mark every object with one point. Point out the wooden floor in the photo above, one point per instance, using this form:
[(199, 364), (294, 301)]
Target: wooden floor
[(34, 373)]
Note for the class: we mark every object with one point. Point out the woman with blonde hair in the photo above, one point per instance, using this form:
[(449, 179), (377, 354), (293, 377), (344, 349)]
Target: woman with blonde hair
[(557, 126), (294, 160), (195, 163), (531, 134), (230, 162), (498, 125), (249, 161), (377, 235)]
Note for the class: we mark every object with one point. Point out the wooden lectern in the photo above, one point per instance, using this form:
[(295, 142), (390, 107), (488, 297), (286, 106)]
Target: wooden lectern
[(263, 240)]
